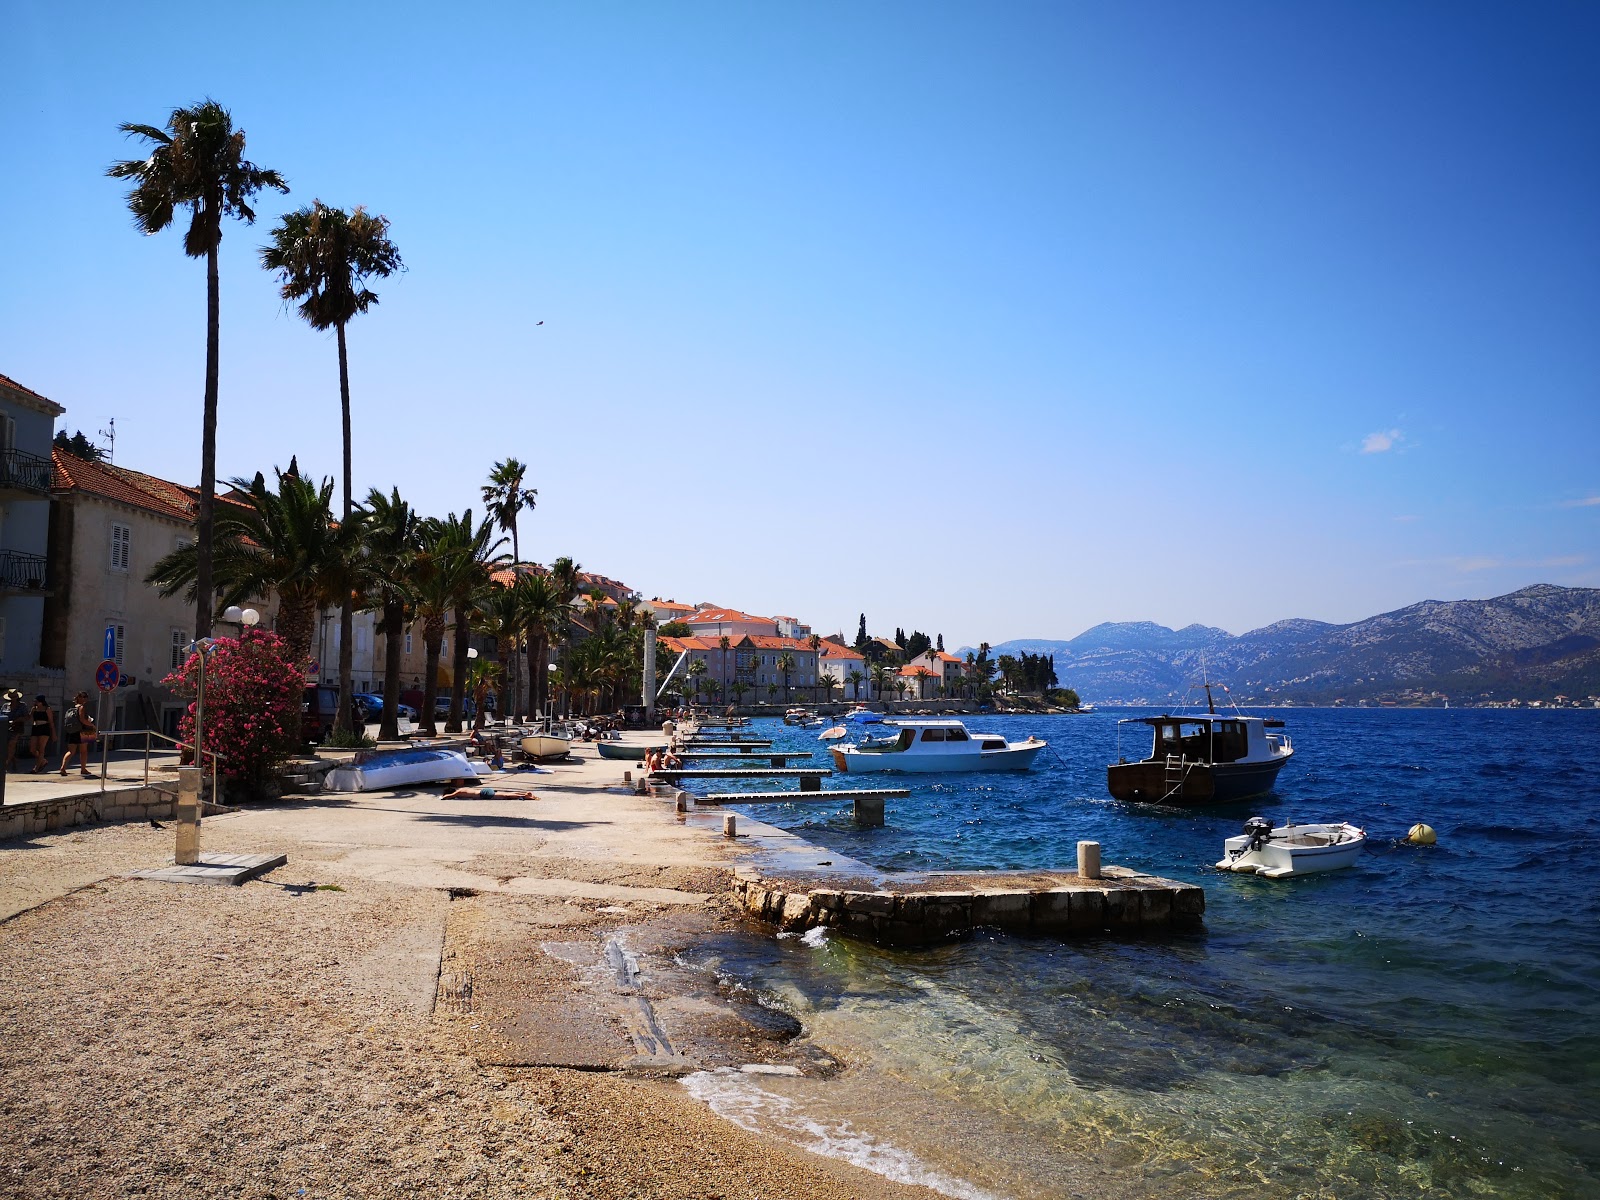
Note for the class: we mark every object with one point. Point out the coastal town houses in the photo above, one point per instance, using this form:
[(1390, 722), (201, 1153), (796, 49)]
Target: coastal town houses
[(750, 667), (27, 424), (944, 670), (840, 662), (108, 527), (727, 622), (667, 611)]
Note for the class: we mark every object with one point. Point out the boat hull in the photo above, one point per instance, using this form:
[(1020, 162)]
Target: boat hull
[(1150, 782), (624, 751), (855, 762), (541, 745), (401, 768)]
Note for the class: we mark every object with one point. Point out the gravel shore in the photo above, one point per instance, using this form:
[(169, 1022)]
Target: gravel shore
[(282, 1039)]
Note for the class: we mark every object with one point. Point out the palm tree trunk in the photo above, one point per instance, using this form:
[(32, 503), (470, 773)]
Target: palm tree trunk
[(297, 618), (432, 638), (205, 599), (536, 655), (393, 631), (347, 623), (458, 673)]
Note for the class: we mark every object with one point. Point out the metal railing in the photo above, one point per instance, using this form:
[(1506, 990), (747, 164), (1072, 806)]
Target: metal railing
[(151, 737), (19, 469), (20, 571)]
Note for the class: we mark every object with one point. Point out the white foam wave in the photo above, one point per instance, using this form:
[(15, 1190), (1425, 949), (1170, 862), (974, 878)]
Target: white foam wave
[(737, 1097), (816, 936)]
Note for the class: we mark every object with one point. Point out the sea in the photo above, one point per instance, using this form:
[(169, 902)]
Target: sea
[(1426, 1023)]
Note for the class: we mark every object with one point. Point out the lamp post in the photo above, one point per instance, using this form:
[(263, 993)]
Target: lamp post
[(233, 615)]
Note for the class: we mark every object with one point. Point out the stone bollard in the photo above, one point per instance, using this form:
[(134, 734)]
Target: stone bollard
[(187, 851), (869, 810), (683, 802), (627, 777), (730, 825), (1089, 860)]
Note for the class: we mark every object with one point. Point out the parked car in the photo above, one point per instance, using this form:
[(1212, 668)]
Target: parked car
[(441, 705), (374, 703), (318, 709)]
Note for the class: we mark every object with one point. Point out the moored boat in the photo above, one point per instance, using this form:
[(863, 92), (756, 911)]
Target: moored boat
[(1206, 759), (934, 745), (1292, 849)]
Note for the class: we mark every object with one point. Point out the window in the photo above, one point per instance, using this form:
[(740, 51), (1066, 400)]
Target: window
[(933, 735), (181, 543), (119, 640), (180, 644), (408, 643), (121, 538), (955, 735)]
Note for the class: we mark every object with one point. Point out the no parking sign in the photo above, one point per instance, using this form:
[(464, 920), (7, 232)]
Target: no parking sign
[(107, 675)]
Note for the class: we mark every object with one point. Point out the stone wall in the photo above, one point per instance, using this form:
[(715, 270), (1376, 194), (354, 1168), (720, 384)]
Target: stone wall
[(41, 816)]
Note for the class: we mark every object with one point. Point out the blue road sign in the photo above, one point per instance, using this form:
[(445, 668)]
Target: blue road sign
[(107, 675), (111, 642)]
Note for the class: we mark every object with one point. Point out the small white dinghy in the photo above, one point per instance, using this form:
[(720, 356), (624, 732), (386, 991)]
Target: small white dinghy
[(1292, 849), (398, 768)]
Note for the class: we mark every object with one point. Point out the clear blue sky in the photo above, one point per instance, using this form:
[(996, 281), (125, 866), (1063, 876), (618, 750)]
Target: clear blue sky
[(989, 320)]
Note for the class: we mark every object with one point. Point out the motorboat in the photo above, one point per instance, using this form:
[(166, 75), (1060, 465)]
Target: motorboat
[(626, 751), (933, 745), (398, 768), (1292, 849), (833, 733), (1211, 758), (798, 716)]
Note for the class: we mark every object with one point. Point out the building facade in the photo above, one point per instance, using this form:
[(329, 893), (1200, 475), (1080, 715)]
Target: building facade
[(27, 425)]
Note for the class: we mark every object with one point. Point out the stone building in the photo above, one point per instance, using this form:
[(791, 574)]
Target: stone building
[(27, 424)]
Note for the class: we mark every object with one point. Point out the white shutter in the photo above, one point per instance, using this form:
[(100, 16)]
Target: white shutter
[(121, 537)]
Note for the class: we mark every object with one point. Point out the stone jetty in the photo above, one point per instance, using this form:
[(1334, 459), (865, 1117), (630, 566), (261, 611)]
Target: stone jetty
[(923, 908)]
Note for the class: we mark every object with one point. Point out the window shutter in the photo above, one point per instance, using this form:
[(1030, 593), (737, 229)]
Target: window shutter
[(121, 536)]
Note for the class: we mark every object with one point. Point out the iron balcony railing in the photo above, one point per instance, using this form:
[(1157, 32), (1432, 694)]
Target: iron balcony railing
[(21, 572), (21, 470)]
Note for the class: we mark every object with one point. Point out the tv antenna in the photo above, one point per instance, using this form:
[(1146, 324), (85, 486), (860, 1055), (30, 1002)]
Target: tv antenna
[(110, 436)]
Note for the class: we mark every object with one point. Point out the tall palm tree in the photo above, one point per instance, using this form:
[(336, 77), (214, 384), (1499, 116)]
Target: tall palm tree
[(392, 544), (697, 670), (723, 644), (504, 499), (284, 541), (323, 258), (197, 163), (544, 617), (785, 664), (856, 678), (565, 575), (470, 575), (880, 680), (500, 611)]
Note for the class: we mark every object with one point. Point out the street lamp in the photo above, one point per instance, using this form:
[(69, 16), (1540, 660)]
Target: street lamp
[(235, 615)]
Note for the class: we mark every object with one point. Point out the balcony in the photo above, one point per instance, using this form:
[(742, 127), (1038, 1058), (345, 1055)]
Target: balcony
[(22, 574), (23, 476)]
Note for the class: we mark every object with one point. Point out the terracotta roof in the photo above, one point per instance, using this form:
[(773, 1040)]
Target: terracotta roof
[(764, 642), (680, 644), (915, 670), (710, 616), (945, 656), (30, 394), (832, 649), (73, 474)]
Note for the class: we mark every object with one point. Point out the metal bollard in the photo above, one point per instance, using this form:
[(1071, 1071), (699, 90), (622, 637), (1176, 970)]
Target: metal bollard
[(187, 851), (1089, 860), (730, 825)]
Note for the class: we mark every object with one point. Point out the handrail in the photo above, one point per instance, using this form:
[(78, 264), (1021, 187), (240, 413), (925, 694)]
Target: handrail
[(216, 756)]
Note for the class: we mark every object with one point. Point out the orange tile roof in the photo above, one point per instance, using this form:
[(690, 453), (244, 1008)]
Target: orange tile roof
[(7, 381), (124, 486), (680, 644), (765, 642), (708, 616), (916, 670), (832, 649), (945, 656)]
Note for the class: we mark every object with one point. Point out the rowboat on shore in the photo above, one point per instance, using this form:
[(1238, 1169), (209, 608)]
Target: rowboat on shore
[(625, 751), (542, 747), (398, 768)]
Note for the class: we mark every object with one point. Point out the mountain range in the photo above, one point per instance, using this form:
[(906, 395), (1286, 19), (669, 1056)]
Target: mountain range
[(1535, 643)]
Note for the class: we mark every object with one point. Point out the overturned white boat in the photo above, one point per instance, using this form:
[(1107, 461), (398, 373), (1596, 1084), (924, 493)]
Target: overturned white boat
[(397, 768), (1292, 849)]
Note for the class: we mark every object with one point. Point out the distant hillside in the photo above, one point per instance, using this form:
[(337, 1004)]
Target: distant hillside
[(1535, 643)]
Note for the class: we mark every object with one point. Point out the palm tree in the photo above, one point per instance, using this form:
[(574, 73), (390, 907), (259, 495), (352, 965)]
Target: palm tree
[(722, 644), (544, 618), (448, 571), (283, 541), (564, 575), (323, 258), (828, 683), (856, 678), (923, 675), (197, 162), (392, 543), (880, 681), (697, 670), (504, 498), (738, 687), (785, 664), (470, 577)]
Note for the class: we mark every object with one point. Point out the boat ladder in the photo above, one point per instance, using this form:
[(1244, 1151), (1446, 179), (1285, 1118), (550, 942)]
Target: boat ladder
[(1176, 772)]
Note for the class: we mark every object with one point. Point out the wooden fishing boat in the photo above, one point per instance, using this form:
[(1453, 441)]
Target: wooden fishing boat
[(625, 751), (1205, 759), (545, 747)]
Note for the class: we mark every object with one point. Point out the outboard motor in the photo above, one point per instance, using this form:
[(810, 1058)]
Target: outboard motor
[(1259, 830)]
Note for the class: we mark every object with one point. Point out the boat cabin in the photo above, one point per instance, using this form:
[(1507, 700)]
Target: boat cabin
[(929, 737), (1209, 738)]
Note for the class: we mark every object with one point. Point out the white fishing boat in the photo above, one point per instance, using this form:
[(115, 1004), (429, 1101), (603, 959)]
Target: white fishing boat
[(1292, 849), (398, 768), (933, 745)]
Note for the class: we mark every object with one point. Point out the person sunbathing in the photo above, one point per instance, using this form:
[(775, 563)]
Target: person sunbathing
[(487, 793)]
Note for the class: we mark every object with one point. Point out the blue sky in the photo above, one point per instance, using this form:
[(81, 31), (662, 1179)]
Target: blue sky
[(997, 321)]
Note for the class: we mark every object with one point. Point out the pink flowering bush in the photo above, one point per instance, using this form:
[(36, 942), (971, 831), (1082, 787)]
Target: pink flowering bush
[(254, 692)]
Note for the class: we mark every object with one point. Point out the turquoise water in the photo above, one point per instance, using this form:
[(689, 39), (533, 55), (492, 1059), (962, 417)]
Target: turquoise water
[(1427, 1023)]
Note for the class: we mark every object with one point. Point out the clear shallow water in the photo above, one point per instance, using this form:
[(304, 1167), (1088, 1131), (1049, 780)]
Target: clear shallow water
[(1425, 1023)]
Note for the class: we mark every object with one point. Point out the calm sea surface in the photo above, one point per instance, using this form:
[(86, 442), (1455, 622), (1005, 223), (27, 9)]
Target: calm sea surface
[(1427, 1023)]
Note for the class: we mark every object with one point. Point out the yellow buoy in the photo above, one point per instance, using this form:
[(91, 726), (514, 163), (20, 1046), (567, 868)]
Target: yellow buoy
[(1422, 835)]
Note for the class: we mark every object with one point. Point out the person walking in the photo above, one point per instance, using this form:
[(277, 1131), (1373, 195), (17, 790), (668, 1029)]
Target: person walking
[(41, 730), (16, 718), (81, 734)]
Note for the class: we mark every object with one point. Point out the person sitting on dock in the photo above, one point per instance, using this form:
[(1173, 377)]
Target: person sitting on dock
[(652, 760), (671, 762)]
